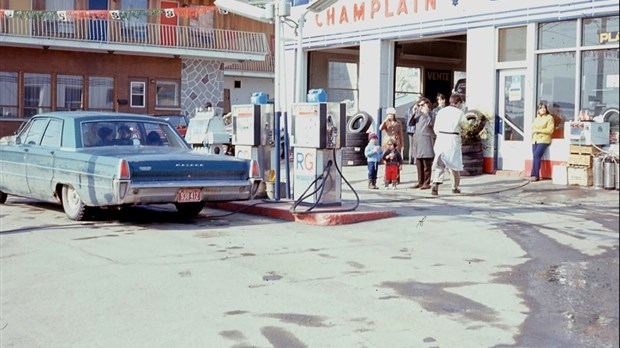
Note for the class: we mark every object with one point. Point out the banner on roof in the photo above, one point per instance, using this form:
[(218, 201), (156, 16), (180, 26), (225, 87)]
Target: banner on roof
[(182, 12)]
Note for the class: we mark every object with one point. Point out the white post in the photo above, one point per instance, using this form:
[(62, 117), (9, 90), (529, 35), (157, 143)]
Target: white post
[(278, 58), (299, 66)]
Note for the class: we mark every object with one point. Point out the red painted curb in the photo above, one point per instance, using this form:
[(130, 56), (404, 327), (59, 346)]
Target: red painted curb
[(318, 217)]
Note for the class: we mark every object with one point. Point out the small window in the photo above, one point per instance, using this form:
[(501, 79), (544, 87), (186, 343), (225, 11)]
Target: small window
[(37, 93), (8, 94), (69, 92), (167, 94), (138, 97), (101, 93), (512, 44)]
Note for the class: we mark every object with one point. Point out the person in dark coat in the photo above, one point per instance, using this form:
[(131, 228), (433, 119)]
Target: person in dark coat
[(423, 141), (393, 163)]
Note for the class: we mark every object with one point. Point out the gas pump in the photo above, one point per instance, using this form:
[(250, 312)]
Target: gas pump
[(318, 134), (253, 136), (207, 132)]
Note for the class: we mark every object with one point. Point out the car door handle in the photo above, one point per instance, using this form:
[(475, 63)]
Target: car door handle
[(52, 152)]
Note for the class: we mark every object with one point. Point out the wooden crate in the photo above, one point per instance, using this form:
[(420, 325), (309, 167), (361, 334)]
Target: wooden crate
[(584, 149), (579, 175), (580, 160), (559, 175)]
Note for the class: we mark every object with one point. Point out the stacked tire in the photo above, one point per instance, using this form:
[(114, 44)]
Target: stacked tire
[(357, 139), (473, 152)]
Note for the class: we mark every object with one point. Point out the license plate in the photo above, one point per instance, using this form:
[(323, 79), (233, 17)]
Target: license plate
[(189, 195)]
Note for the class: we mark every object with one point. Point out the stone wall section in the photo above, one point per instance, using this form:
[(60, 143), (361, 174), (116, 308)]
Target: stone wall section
[(202, 81)]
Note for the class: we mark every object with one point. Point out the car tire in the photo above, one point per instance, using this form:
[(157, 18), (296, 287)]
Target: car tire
[(72, 204), (359, 123), (189, 210), (356, 140), (3, 197), (477, 119)]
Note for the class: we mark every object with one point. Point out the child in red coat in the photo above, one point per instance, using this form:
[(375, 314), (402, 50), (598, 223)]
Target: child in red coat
[(393, 162)]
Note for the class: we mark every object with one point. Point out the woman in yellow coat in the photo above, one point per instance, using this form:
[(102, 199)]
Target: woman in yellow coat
[(542, 128)]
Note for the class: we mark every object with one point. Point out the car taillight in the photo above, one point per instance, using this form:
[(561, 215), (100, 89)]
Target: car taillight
[(124, 172), (254, 169)]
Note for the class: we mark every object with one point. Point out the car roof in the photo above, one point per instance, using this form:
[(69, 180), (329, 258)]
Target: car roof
[(96, 115)]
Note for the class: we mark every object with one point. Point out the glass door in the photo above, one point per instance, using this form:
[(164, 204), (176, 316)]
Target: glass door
[(511, 148)]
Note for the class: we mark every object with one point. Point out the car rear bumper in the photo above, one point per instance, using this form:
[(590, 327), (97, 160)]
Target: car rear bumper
[(166, 192)]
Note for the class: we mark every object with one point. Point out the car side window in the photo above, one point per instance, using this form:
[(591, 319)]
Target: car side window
[(53, 134), (35, 132)]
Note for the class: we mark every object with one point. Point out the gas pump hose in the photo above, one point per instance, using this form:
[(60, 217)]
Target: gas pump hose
[(323, 177)]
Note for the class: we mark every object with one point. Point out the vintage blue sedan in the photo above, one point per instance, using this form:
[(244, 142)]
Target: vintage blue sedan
[(89, 160)]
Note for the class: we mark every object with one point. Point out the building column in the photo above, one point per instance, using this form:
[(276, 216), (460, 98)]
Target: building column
[(376, 77)]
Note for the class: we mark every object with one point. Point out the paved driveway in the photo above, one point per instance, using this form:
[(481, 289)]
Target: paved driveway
[(516, 268)]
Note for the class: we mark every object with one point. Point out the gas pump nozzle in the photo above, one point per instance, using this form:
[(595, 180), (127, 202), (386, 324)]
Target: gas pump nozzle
[(269, 134), (331, 132)]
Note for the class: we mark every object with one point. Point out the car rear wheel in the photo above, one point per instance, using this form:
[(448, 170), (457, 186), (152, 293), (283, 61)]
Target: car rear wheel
[(189, 210), (72, 204), (2, 197)]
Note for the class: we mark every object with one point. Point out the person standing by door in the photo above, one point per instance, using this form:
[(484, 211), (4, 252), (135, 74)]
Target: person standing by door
[(412, 112), (542, 128), (441, 103), (423, 140), (448, 153)]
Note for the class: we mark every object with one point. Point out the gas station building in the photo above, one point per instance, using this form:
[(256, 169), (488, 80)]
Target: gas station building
[(513, 54)]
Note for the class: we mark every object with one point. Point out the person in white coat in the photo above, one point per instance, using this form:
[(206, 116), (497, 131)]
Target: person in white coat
[(448, 154)]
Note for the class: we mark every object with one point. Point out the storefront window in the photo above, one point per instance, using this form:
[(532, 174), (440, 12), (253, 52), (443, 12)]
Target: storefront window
[(557, 35), (8, 94), (556, 87), (599, 87), (407, 89), (37, 93), (512, 44), (69, 92), (101, 93), (600, 31)]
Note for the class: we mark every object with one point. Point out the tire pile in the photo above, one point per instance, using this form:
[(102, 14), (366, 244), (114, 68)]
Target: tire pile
[(356, 139), (473, 153)]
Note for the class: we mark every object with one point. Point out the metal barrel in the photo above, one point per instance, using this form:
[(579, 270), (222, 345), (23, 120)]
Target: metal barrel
[(597, 172), (610, 175)]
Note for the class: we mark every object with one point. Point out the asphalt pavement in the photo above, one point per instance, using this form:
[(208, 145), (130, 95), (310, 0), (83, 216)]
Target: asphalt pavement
[(507, 263)]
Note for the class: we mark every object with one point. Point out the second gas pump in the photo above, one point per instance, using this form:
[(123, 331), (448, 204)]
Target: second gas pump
[(318, 134), (253, 137)]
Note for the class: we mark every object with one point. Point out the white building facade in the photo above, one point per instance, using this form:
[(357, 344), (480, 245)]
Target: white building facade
[(514, 54)]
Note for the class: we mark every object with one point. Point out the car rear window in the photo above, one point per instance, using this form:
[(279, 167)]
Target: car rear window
[(123, 133)]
